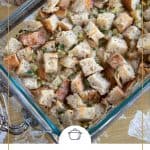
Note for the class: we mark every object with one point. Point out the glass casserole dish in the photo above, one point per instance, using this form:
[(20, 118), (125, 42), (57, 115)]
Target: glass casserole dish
[(23, 95)]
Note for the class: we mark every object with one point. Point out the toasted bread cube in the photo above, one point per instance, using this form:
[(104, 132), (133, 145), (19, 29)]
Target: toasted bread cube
[(115, 96), (130, 4), (132, 33), (85, 113), (124, 73), (50, 62), (41, 72), (66, 73), (116, 60), (90, 96), (11, 61), (93, 32), (80, 18), (123, 21), (68, 38), (51, 23), (146, 14), (65, 24), (49, 46), (63, 90), (82, 50), (143, 44), (30, 83), (99, 83), (105, 20), (69, 62), (32, 25), (23, 68), (61, 13), (50, 6), (12, 46), (47, 97), (67, 118), (59, 107), (74, 101), (77, 84), (89, 66), (117, 45), (25, 53), (99, 110), (34, 39), (56, 83)]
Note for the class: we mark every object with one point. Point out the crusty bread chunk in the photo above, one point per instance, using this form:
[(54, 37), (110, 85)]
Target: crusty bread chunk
[(23, 68), (116, 60), (123, 21), (67, 38), (82, 50), (90, 96), (50, 62), (69, 62), (93, 32), (105, 20), (25, 53), (89, 66), (80, 18), (77, 85), (65, 24), (115, 96), (34, 39), (30, 83), (12, 46), (99, 83), (74, 101), (116, 45), (47, 97), (124, 72), (51, 23), (85, 113), (67, 118), (11, 61), (49, 46), (132, 33)]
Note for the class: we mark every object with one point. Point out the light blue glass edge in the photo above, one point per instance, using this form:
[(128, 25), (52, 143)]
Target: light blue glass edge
[(101, 124)]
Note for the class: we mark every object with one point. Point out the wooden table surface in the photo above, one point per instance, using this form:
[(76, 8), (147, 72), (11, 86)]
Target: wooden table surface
[(118, 131)]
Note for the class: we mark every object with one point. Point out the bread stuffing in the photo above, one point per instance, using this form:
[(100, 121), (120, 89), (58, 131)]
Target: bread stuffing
[(80, 57)]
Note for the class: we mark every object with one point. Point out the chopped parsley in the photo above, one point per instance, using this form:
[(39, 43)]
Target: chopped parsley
[(61, 47), (86, 83), (44, 49), (30, 72)]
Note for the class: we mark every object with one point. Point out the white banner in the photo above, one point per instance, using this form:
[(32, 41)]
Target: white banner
[(75, 147)]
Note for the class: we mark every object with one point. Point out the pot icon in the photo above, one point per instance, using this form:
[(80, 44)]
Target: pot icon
[(74, 134)]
